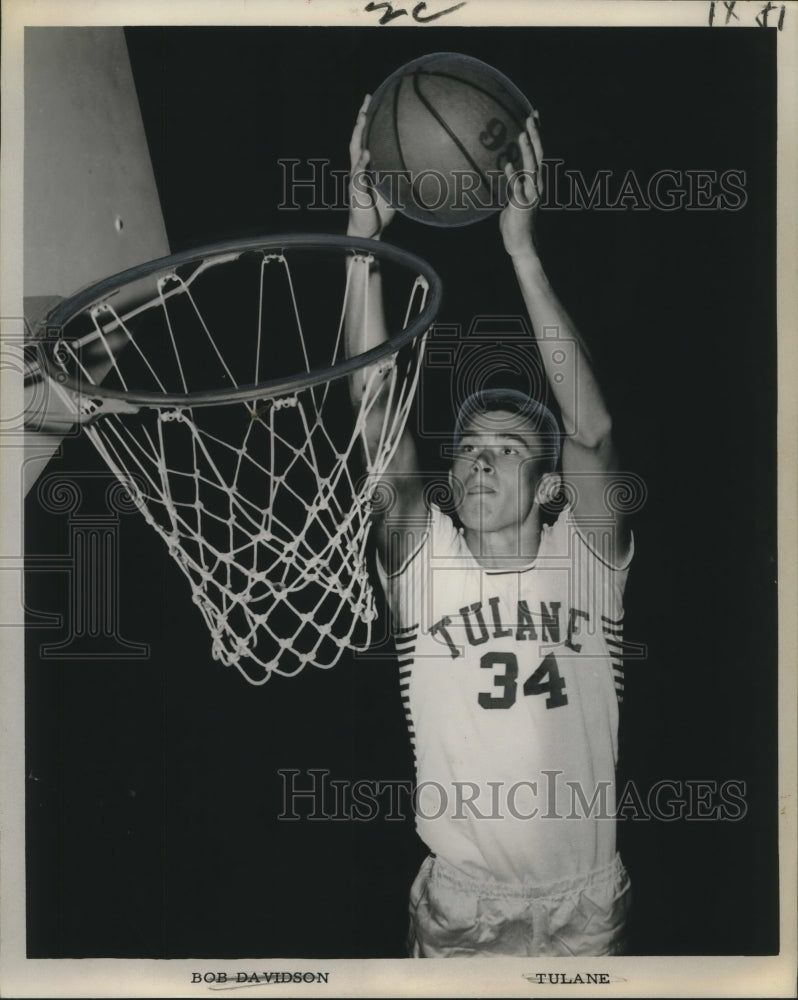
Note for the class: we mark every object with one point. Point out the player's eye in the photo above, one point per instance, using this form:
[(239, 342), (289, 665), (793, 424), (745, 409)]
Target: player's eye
[(509, 450)]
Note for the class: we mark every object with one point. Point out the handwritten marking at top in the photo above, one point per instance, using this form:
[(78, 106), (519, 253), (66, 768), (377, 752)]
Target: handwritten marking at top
[(418, 15), (762, 16), (719, 8)]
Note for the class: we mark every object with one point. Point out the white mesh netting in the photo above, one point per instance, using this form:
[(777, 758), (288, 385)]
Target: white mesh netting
[(263, 502)]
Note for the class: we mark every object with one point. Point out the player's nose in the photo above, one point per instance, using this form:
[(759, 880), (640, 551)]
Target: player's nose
[(483, 462)]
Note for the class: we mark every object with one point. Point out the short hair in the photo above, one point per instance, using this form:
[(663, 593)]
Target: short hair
[(543, 421)]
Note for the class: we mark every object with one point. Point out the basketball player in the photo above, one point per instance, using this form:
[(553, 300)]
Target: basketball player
[(508, 632)]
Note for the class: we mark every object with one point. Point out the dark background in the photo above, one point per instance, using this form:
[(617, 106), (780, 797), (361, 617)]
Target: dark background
[(153, 791)]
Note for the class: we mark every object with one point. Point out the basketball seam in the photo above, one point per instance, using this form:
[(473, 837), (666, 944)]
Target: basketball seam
[(450, 133), (474, 86), (396, 125), (399, 138)]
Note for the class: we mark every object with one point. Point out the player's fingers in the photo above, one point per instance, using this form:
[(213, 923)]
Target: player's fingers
[(534, 137), (512, 182), (533, 153), (536, 174), (519, 187), (530, 141), (355, 145), (363, 178), (356, 142), (529, 172), (508, 173), (361, 191), (532, 176), (359, 163), (527, 153), (530, 188)]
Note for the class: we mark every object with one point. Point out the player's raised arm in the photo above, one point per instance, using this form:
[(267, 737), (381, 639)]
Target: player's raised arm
[(365, 328), (588, 454)]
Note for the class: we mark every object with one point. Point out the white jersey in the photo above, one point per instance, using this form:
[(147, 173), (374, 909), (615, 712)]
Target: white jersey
[(511, 682)]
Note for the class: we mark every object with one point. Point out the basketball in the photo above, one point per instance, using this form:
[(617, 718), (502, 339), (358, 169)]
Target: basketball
[(440, 131)]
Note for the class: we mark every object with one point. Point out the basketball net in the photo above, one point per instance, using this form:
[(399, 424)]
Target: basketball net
[(263, 500)]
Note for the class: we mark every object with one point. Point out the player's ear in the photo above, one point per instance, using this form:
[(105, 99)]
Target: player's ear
[(548, 487)]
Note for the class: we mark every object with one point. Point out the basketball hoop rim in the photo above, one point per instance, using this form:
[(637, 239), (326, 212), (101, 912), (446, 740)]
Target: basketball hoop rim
[(98, 292)]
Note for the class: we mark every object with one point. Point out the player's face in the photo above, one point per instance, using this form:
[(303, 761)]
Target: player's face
[(496, 468)]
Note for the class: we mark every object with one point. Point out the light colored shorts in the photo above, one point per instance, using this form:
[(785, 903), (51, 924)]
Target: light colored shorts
[(454, 916)]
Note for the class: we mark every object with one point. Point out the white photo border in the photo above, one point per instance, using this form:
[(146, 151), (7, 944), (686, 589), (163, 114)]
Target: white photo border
[(656, 976)]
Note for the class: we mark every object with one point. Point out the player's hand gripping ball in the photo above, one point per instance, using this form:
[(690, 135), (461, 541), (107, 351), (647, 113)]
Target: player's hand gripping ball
[(441, 132)]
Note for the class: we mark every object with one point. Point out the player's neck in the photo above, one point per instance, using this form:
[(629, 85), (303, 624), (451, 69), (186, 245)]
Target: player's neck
[(512, 547)]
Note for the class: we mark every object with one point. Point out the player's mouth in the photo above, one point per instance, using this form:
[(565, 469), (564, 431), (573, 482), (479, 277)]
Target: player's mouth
[(479, 490)]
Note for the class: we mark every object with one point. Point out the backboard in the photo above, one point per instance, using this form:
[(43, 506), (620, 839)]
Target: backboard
[(91, 205)]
